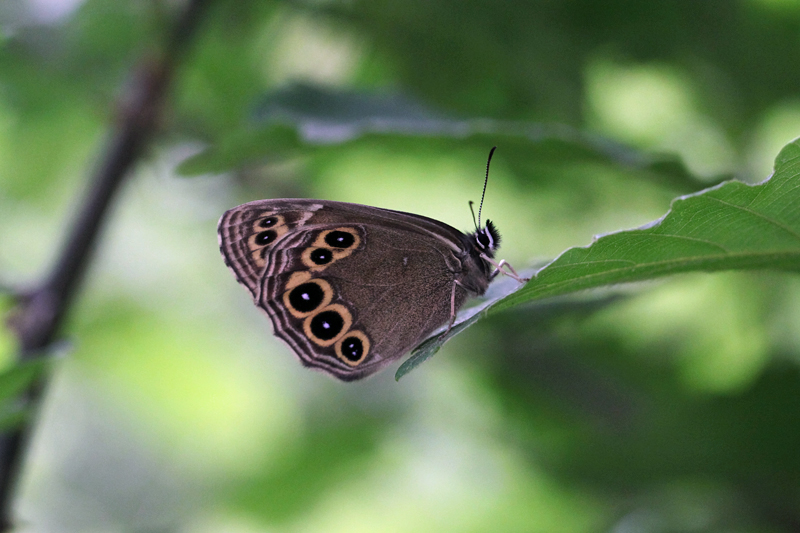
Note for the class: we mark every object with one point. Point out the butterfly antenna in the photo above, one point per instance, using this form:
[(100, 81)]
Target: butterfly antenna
[(472, 210), (491, 153)]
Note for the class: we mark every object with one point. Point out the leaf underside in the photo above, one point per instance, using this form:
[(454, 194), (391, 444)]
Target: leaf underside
[(727, 227)]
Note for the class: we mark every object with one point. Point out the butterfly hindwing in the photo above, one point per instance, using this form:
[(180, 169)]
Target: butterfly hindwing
[(351, 307)]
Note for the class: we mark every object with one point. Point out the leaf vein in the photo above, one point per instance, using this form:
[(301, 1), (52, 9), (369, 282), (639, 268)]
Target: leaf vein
[(756, 214)]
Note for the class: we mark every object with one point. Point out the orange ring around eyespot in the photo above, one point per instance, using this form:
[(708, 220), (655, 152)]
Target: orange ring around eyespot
[(257, 251), (320, 240), (308, 263), (364, 341), (347, 321), (298, 278), (267, 214), (327, 297)]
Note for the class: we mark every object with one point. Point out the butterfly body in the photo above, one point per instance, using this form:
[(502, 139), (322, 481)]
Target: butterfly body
[(351, 288)]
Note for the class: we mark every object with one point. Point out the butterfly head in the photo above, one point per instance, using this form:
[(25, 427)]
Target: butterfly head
[(485, 240)]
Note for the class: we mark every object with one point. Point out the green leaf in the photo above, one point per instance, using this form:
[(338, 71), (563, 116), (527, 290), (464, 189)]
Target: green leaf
[(730, 226), (16, 379), (13, 417)]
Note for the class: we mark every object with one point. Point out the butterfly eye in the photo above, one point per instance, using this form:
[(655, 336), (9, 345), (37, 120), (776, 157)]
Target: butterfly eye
[(306, 297), (265, 237), (321, 256), (327, 325), (352, 348), (268, 222), (340, 239)]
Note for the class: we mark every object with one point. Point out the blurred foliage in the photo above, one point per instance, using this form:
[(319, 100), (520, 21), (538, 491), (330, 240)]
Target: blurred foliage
[(14, 382), (651, 407)]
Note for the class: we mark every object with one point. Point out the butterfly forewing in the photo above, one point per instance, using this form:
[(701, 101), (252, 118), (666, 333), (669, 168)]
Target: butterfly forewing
[(248, 232)]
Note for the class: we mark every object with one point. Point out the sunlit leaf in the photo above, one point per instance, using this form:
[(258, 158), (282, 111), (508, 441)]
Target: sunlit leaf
[(731, 226)]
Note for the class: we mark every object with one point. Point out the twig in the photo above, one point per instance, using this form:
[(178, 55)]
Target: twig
[(41, 310)]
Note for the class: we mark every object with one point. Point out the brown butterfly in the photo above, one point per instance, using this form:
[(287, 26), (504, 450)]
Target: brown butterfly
[(349, 287)]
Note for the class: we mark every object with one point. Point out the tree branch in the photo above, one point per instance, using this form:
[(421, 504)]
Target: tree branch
[(40, 311)]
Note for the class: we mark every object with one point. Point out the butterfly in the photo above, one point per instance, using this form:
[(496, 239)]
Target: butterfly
[(351, 288)]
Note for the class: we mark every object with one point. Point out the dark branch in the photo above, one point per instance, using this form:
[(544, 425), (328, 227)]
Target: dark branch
[(41, 310)]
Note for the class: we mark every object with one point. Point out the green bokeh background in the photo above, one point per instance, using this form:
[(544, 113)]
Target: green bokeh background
[(670, 406)]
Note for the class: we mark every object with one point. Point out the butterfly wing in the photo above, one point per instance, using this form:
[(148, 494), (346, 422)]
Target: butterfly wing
[(248, 232), (349, 288)]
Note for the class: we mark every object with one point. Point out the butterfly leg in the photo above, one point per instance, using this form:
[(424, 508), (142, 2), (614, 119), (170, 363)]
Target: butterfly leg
[(452, 306), (511, 273)]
